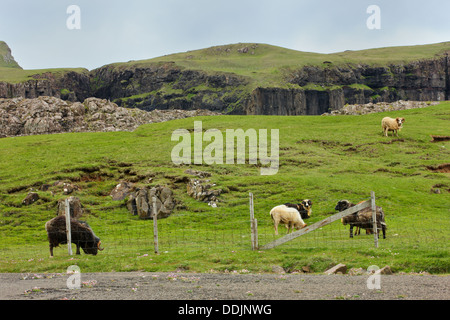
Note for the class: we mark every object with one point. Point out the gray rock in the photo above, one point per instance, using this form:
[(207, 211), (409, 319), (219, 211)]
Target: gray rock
[(31, 198), (338, 269), (76, 208)]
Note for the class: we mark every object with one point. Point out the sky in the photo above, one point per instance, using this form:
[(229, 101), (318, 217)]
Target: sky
[(44, 34)]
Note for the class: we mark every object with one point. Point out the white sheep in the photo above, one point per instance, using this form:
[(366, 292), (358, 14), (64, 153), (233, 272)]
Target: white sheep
[(389, 124), (287, 216)]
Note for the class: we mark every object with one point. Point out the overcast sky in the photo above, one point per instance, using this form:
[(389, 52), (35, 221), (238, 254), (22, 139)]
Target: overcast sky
[(117, 31)]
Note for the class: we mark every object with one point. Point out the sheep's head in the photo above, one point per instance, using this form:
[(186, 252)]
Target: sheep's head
[(307, 204), (400, 122), (342, 205)]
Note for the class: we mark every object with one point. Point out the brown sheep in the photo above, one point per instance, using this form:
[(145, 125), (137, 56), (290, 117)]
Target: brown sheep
[(362, 219)]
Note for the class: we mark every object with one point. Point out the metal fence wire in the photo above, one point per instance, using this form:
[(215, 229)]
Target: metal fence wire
[(129, 235)]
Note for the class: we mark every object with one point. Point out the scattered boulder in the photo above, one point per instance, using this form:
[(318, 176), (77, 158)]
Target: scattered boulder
[(200, 174), (47, 115), (306, 269), (66, 187), (122, 190), (31, 198), (201, 190), (357, 272), (338, 269), (385, 271), (76, 208), (278, 270), (360, 109), (140, 202)]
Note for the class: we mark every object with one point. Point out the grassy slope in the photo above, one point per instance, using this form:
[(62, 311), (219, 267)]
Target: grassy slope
[(322, 158), (15, 75), (267, 63)]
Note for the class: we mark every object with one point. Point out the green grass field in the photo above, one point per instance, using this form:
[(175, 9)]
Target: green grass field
[(325, 159)]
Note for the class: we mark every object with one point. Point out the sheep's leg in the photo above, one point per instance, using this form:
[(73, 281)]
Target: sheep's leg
[(78, 249), (275, 225), (351, 231), (51, 250)]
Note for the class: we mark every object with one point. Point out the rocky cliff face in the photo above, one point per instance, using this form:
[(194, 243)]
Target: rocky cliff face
[(426, 80), (167, 86), (71, 86)]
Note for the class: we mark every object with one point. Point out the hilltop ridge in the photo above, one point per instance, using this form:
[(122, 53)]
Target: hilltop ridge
[(6, 58)]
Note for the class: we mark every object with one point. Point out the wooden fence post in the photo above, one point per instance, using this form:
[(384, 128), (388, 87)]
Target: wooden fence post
[(253, 225), (155, 226), (68, 228), (374, 218)]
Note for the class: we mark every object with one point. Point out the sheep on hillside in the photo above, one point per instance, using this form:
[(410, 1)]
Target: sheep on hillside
[(287, 216), (389, 124), (362, 219), (304, 208)]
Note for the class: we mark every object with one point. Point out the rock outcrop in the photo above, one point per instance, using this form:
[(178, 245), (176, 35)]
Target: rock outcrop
[(202, 190), (46, 115), (140, 202), (331, 88), (76, 208), (166, 86), (360, 109), (71, 86)]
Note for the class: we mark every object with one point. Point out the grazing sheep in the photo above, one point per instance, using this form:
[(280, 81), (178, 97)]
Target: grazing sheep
[(304, 208), (287, 216), (362, 219), (389, 124), (82, 235)]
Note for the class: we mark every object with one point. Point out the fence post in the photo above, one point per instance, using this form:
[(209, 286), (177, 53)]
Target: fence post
[(68, 228), (253, 225), (374, 218), (155, 226)]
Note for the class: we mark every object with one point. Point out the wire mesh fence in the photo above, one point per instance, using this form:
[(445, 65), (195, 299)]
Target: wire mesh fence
[(130, 236)]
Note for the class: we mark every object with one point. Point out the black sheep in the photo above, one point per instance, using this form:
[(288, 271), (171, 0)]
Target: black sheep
[(81, 233), (304, 208)]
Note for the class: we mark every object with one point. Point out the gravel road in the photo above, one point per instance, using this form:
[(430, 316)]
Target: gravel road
[(202, 287)]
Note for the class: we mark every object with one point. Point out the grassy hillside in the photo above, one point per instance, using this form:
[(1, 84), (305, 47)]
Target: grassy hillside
[(265, 64), (325, 159), (15, 75)]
